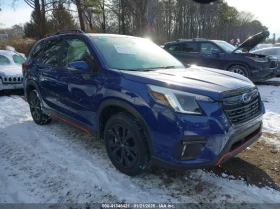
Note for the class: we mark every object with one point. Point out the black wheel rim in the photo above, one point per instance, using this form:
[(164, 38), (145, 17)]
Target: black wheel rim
[(35, 106), (122, 144)]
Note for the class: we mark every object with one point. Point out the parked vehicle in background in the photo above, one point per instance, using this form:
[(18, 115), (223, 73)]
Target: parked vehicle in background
[(222, 55), (261, 46), (10, 48), (276, 45), (10, 71), (274, 52), (147, 107)]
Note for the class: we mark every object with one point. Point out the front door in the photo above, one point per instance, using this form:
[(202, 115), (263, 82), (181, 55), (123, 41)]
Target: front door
[(80, 87), (211, 56)]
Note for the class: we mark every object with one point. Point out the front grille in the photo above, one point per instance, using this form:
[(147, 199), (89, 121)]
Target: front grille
[(12, 79), (238, 110)]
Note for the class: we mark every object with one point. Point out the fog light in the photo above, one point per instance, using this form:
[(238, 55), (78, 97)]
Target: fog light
[(188, 148)]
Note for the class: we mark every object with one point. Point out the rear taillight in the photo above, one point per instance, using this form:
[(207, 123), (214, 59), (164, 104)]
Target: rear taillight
[(23, 66)]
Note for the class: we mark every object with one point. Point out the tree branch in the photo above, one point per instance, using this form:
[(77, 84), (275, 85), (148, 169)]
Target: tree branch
[(29, 3)]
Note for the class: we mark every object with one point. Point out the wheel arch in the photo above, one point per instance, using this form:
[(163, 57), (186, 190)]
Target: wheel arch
[(30, 85), (239, 64), (120, 106)]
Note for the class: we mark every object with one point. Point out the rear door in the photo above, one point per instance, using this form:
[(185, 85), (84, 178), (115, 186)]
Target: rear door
[(174, 49), (186, 52), (190, 53), (50, 68)]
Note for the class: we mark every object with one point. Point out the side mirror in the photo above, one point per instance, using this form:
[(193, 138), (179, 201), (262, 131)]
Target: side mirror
[(215, 51), (78, 66)]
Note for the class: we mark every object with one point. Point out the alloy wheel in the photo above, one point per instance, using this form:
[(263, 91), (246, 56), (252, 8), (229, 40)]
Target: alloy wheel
[(35, 106), (123, 146)]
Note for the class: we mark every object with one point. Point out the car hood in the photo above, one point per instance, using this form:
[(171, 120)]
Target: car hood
[(205, 81), (253, 41), (10, 70)]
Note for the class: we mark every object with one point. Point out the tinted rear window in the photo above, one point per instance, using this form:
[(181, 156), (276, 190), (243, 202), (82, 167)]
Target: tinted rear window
[(190, 47), (36, 54), (173, 48), (52, 52)]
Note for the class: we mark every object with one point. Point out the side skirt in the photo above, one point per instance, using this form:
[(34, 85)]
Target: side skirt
[(54, 114)]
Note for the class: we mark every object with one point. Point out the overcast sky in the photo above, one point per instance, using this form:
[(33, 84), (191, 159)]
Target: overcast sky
[(266, 11)]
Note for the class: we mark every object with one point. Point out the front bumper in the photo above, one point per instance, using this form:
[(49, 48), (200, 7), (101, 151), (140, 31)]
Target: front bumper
[(212, 139), (262, 72), (10, 86)]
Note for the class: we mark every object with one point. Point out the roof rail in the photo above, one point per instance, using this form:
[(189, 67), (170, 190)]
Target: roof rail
[(178, 40), (198, 39), (64, 32)]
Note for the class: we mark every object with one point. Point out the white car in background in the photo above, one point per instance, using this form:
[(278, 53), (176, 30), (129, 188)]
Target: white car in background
[(10, 70)]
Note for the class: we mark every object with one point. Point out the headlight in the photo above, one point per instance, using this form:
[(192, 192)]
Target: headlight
[(180, 101), (258, 59)]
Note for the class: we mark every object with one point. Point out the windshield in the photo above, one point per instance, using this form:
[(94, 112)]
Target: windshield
[(225, 46), (129, 53), (18, 59), (4, 60)]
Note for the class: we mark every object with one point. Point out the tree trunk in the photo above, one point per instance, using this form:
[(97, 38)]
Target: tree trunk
[(38, 19), (80, 14), (103, 17), (43, 18)]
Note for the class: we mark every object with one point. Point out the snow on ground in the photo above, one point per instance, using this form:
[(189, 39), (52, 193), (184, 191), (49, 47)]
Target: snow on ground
[(271, 120), (57, 163), (275, 79), (271, 98)]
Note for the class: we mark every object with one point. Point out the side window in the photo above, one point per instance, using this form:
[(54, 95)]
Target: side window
[(190, 47), (18, 59), (77, 50), (52, 52), (207, 48), (174, 48), (36, 54)]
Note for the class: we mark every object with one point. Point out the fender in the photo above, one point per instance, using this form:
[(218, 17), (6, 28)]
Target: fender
[(131, 110), (31, 83)]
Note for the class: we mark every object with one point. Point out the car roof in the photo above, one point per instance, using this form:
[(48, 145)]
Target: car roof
[(268, 48), (110, 35), (8, 53), (190, 40), (90, 34)]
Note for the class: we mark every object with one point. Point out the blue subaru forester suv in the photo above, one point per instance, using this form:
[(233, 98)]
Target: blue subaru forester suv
[(143, 102)]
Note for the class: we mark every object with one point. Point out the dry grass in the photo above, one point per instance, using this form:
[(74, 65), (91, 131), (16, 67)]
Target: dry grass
[(21, 45)]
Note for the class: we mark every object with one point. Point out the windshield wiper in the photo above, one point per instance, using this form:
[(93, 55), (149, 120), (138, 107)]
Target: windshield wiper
[(148, 69), (169, 67)]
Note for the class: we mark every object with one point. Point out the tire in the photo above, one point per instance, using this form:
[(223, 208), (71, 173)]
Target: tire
[(126, 144), (35, 106), (239, 70)]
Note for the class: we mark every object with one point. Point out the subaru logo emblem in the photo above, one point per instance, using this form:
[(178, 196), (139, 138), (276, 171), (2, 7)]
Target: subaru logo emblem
[(246, 98)]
